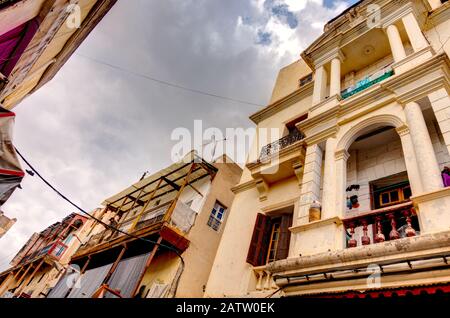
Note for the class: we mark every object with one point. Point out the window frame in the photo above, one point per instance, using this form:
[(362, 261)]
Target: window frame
[(213, 218)]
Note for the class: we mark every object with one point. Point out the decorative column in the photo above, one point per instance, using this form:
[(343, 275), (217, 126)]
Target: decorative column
[(310, 189), (440, 102), (320, 85), (329, 179), (335, 77), (395, 41), (410, 160), (415, 35), (341, 157), (425, 156)]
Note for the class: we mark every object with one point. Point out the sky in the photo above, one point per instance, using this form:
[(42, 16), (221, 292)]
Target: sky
[(95, 129)]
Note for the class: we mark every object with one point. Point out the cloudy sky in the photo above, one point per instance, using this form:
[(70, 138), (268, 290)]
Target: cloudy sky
[(94, 129)]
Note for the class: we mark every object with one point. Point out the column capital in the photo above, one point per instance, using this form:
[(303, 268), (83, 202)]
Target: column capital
[(402, 130), (341, 154), (335, 53)]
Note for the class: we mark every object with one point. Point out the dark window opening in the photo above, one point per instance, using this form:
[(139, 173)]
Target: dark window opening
[(270, 239)]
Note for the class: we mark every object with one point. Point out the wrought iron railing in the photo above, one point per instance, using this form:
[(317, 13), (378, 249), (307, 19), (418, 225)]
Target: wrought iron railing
[(269, 150), (381, 225), (367, 82), (55, 249)]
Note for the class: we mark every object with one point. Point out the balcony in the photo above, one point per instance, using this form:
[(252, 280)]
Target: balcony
[(55, 250), (367, 82), (386, 224), (152, 220), (275, 147)]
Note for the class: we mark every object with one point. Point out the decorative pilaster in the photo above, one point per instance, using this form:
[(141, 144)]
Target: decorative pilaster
[(329, 179), (310, 190), (440, 102), (341, 158)]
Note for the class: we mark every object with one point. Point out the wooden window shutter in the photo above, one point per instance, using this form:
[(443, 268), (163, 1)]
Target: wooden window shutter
[(285, 237), (259, 244)]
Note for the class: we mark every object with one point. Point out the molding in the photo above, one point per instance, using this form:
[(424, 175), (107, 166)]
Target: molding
[(397, 15), (329, 56), (402, 249), (312, 225), (263, 189), (283, 103), (280, 205), (439, 15), (430, 196), (402, 130), (322, 135), (412, 56), (243, 186), (341, 155)]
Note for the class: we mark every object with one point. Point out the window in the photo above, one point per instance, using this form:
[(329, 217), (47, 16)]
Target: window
[(270, 239), (217, 215), (394, 196)]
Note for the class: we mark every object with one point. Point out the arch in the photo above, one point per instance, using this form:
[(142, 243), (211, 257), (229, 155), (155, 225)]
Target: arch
[(366, 125)]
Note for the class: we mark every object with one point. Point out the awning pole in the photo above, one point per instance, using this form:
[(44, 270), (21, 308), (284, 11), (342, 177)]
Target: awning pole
[(147, 264), (175, 200), (136, 220)]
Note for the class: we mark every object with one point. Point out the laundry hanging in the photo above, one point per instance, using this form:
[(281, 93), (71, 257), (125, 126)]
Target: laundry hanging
[(11, 173)]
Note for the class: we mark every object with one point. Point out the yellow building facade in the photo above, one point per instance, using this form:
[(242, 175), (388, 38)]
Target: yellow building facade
[(354, 197)]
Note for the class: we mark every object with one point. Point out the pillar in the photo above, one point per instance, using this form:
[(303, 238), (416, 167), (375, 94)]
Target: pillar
[(310, 189), (410, 160), (415, 35), (395, 41), (335, 77), (329, 180), (341, 158), (440, 102), (425, 156), (320, 85)]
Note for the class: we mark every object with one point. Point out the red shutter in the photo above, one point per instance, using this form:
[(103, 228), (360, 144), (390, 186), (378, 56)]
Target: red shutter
[(257, 251), (285, 237)]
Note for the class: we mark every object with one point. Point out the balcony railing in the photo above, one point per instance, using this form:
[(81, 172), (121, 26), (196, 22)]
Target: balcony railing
[(269, 150), (367, 82), (55, 249), (182, 218), (381, 225)]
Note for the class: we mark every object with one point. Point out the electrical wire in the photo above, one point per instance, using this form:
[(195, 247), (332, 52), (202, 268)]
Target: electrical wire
[(100, 221), (192, 90)]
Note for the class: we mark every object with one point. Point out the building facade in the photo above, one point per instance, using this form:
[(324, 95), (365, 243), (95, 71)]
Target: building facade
[(354, 198), (170, 226), (39, 264), (36, 38)]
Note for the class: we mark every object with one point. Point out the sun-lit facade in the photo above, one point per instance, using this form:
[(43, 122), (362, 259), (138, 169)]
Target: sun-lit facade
[(354, 196)]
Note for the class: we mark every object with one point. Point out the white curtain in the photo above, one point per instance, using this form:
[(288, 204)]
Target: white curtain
[(66, 282), (126, 275), (89, 282), (183, 217)]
